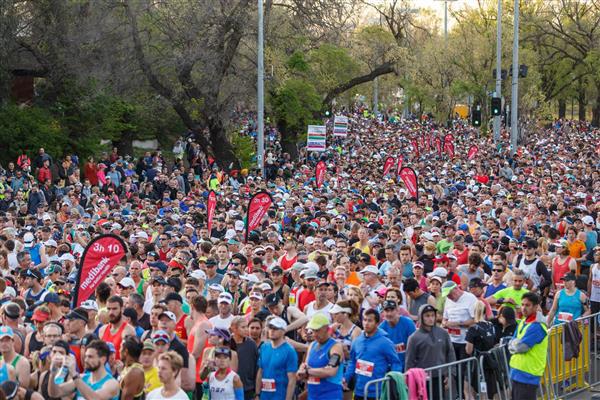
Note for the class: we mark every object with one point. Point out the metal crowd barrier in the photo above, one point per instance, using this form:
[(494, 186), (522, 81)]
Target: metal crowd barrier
[(564, 378), (561, 378)]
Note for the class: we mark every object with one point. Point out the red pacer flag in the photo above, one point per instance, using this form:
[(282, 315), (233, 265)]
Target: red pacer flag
[(415, 146), (449, 148), (399, 166), (409, 177), (211, 205), (472, 152), (258, 206), (320, 173), (438, 145), (387, 165), (100, 256)]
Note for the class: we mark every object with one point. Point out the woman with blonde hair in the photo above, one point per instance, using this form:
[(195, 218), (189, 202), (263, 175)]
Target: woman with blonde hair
[(355, 294)]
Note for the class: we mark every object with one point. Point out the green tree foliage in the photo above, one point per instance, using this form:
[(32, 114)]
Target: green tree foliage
[(28, 129)]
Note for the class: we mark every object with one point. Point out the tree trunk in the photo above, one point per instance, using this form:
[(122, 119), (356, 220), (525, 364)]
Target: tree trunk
[(562, 108), (221, 146), (596, 110), (581, 102)]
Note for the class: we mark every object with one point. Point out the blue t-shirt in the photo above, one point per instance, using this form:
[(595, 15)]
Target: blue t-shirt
[(276, 363), (399, 335), (491, 289)]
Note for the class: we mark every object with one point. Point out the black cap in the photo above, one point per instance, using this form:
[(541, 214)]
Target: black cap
[(272, 299), (476, 282), (277, 270), (569, 277), (174, 296), (211, 261), (9, 388), (175, 283), (234, 272), (12, 310), (390, 305), (427, 308), (78, 313)]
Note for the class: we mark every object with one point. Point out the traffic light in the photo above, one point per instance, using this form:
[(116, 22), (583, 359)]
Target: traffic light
[(496, 106), (476, 118)]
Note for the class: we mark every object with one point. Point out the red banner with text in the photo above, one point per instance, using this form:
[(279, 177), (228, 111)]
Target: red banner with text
[(409, 177), (258, 206)]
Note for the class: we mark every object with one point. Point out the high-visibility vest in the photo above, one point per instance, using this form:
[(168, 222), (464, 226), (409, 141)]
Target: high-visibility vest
[(534, 360)]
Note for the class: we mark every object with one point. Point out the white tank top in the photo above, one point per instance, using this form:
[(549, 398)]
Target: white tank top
[(530, 270), (221, 390), (310, 310), (595, 295)]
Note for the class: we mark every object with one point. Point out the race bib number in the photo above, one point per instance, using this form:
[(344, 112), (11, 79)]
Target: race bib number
[(313, 380), (565, 316), (454, 331), (292, 299), (400, 348), (268, 385), (364, 368)]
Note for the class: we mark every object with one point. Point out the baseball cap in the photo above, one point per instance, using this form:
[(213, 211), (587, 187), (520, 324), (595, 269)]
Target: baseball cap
[(272, 299), (569, 277), (336, 309), (198, 274), (250, 278), (277, 270), (225, 298), (78, 313), (52, 268), (127, 282), (169, 315), (390, 305), (89, 305), (220, 332), (309, 274), (277, 323), (255, 295), (174, 296), (447, 287), (418, 264), (217, 287), (476, 282), (6, 331), (318, 321), (222, 351), (50, 243), (10, 389), (28, 239), (40, 316), (369, 269), (160, 336), (148, 345), (439, 272), (158, 265), (50, 297), (587, 220)]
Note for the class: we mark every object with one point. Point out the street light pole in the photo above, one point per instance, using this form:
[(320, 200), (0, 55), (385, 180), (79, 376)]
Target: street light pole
[(446, 20), (498, 69), (260, 92), (514, 101)]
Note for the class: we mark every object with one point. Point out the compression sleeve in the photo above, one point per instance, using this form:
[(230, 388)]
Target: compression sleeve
[(239, 393)]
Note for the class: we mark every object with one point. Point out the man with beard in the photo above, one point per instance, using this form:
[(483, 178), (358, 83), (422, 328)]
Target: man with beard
[(117, 328), (96, 383)]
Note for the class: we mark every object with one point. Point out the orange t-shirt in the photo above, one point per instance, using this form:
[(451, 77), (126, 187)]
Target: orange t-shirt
[(353, 279)]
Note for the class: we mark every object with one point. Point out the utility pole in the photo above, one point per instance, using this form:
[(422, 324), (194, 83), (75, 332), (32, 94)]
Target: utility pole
[(498, 93), (514, 101), (375, 96), (260, 93), (446, 20)]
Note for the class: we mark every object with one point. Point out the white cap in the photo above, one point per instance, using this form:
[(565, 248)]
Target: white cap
[(439, 272), (587, 220), (67, 257), (239, 225), (89, 305), (169, 315), (198, 274), (127, 282), (9, 292), (116, 227), (141, 235), (370, 268), (46, 217), (277, 323), (225, 298), (28, 239), (50, 243), (216, 286), (250, 278)]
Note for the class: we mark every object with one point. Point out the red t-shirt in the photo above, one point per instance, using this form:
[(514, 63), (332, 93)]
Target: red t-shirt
[(305, 297)]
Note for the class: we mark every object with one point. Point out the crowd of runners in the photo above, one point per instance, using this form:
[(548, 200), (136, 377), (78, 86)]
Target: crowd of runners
[(339, 285)]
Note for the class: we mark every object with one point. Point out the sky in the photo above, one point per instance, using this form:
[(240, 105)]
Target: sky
[(438, 6)]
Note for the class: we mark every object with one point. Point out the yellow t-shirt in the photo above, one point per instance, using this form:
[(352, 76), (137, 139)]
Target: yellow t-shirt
[(152, 381), (364, 249)]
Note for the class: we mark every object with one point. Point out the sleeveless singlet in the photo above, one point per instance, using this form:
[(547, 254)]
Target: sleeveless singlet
[(323, 388), (190, 347), (180, 328), (115, 339), (34, 344), (595, 294), (559, 270), (221, 389), (3, 372), (531, 270), (44, 388), (569, 306), (94, 386)]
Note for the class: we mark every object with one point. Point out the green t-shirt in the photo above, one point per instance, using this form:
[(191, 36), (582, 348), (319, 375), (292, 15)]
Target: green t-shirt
[(511, 293), (444, 246)]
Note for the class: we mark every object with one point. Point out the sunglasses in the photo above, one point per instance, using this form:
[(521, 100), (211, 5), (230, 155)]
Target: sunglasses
[(497, 270)]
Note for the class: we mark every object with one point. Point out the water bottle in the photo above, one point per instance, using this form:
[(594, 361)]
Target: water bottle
[(60, 376)]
